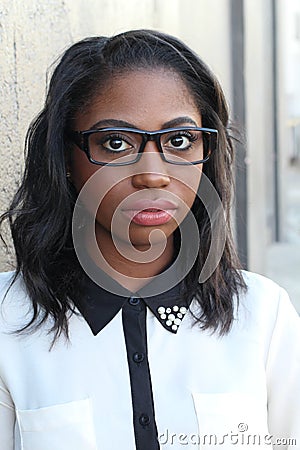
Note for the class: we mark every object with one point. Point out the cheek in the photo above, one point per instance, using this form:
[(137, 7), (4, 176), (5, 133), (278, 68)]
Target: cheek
[(96, 185), (109, 195), (188, 184), (107, 204), (189, 196), (81, 169)]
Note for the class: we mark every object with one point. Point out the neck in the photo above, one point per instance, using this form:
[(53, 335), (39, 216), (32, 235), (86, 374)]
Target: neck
[(125, 263)]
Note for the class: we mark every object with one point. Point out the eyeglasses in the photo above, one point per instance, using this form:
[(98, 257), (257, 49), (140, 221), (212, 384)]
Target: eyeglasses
[(123, 146)]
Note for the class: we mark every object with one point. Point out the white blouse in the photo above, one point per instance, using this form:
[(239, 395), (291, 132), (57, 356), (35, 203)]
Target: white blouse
[(238, 391)]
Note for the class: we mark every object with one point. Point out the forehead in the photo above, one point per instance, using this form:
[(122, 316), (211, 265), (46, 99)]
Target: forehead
[(145, 98)]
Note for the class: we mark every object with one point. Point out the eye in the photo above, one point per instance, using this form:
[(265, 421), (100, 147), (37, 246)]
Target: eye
[(179, 141), (115, 143)]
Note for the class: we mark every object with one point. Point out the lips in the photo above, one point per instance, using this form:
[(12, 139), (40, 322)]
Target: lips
[(150, 212)]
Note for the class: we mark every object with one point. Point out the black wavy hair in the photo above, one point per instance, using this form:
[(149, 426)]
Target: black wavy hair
[(40, 214)]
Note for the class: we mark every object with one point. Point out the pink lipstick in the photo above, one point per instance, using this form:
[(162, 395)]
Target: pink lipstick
[(150, 213)]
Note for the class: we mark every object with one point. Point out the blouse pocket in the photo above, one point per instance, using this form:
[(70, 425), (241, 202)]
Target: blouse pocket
[(67, 426), (231, 421)]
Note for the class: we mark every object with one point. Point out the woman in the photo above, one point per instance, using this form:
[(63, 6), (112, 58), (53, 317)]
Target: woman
[(127, 323)]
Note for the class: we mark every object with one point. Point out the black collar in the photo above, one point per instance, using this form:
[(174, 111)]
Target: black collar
[(99, 306)]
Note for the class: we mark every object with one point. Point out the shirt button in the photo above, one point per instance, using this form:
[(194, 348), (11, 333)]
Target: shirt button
[(138, 357), (133, 301), (144, 419)]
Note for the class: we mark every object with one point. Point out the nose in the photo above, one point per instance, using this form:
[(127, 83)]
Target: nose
[(151, 170)]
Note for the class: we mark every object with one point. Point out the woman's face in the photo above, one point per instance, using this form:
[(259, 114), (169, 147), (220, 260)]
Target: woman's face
[(150, 194)]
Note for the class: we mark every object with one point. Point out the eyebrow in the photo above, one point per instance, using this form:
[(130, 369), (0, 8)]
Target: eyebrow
[(179, 121)]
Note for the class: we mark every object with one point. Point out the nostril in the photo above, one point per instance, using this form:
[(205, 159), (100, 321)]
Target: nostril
[(150, 179)]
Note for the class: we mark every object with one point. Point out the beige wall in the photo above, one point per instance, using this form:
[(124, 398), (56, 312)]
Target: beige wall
[(260, 127), (34, 33), (206, 28), (259, 123)]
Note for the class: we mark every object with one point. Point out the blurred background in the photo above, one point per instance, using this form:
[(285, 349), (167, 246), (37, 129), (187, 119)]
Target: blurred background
[(254, 48)]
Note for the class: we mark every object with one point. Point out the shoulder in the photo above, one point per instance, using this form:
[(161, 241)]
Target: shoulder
[(259, 284), (261, 290), (266, 302), (5, 280), (15, 304), (10, 285)]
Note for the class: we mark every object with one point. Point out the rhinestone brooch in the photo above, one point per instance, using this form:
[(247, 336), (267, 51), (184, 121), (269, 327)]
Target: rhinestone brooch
[(172, 317)]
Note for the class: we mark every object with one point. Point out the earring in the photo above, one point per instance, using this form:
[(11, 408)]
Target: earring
[(68, 174)]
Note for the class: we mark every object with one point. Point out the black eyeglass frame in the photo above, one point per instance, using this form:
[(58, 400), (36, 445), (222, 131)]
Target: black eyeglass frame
[(81, 139)]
